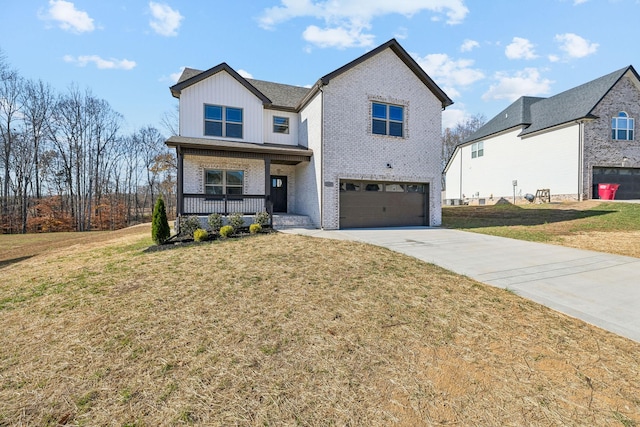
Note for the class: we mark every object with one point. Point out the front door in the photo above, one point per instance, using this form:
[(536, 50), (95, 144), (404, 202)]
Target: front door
[(279, 193)]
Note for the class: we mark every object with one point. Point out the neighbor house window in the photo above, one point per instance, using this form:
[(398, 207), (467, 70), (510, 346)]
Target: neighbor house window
[(222, 121), (387, 119), (280, 124), (477, 149), (622, 127), (223, 181)]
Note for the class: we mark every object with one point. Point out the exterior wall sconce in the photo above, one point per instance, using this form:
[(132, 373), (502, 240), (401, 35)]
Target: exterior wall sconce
[(389, 166)]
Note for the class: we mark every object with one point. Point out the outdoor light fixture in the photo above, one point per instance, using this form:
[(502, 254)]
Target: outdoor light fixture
[(389, 166)]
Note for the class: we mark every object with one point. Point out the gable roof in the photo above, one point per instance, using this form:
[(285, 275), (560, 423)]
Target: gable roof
[(537, 114), (290, 97), (191, 76), (405, 57)]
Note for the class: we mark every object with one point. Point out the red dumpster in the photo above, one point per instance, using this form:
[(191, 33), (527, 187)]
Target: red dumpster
[(607, 191)]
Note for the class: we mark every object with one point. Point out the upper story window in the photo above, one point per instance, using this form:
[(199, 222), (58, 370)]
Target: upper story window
[(223, 181), (222, 121), (622, 127), (387, 119), (280, 124), (477, 149)]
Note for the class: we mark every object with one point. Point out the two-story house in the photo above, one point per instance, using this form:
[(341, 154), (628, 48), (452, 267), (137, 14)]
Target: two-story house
[(361, 148), (569, 144)]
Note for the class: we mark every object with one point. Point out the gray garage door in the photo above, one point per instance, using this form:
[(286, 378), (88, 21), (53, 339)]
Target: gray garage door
[(382, 204), (628, 178)]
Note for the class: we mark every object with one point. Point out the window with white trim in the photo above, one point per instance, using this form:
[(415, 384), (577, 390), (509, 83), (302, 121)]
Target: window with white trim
[(222, 121), (622, 127), (280, 124), (217, 181), (387, 119), (477, 149)]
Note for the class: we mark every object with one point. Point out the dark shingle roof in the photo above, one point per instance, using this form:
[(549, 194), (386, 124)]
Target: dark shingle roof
[(536, 114), (281, 95), (290, 97)]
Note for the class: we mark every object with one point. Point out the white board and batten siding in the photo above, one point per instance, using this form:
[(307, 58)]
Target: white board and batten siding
[(548, 160), (221, 89), (272, 137)]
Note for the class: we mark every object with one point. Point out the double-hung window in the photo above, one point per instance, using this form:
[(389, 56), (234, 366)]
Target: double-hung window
[(387, 119), (222, 121), (223, 181), (477, 149), (622, 127), (280, 124)]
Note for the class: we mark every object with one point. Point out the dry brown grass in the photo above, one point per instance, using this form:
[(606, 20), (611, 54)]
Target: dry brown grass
[(288, 330), (612, 227)]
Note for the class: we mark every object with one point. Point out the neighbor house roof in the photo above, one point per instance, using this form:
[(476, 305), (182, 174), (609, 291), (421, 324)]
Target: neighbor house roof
[(290, 97), (538, 114)]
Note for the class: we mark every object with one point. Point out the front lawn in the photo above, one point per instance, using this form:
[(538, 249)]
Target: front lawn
[(289, 330)]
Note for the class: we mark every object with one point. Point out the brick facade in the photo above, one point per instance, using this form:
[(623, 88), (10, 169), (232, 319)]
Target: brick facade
[(600, 150), (350, 149)]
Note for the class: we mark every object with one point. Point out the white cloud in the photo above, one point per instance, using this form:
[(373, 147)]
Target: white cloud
[(553, 58), (452, 116), (174, 77), (520, 49), (245, 74), (575, 46), (468, 45), (577, 2), (100, 63), (337, 37), (166, 20), (527, 82), (345, 22), (68, 17), (448, 73)]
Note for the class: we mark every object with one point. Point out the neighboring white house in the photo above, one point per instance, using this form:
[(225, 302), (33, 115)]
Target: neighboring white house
[(361, 148), (568, 143)]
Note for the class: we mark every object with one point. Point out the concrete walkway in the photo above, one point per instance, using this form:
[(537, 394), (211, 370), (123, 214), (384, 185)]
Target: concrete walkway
[(599, 288)]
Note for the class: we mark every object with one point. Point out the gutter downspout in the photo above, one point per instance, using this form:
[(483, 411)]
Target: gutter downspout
[(460, 192), (580, 161), (322, 216)]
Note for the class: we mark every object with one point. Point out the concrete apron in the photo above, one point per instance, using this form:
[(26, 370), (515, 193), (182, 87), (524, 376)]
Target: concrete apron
[(599, 288)]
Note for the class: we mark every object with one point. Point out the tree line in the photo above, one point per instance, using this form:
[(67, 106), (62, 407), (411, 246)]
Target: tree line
[(65, 164)]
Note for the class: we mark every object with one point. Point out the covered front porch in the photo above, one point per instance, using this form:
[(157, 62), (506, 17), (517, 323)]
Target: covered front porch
[(253, 177)]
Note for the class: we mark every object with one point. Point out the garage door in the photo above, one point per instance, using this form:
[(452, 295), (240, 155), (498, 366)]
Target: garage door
[(628, 178), (382, 204)]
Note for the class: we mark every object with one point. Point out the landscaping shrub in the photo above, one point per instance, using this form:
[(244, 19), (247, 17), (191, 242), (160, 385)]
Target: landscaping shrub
[(189, 224), (200, 235), (236, 220), (255, 228), (261, 218), (215, 221), (160, 230), (226, 231)]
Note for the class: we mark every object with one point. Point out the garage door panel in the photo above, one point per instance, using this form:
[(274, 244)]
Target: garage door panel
[(382, 208), (627, 178)]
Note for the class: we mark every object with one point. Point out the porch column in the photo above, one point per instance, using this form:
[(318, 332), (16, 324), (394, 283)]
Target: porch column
[(179, 183), (267, 184)]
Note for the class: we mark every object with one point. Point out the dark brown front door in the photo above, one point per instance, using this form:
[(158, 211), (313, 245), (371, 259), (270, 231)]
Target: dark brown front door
[(279, 193)]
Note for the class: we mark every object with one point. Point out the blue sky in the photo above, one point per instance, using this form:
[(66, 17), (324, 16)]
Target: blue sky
[(484, 54)]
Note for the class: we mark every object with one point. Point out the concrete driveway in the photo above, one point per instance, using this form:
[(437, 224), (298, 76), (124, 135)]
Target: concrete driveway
[(599, 288)]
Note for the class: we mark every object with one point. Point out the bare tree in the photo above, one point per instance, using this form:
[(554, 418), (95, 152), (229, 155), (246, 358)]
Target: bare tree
[(10, 90), (37, 105), (452, 137)]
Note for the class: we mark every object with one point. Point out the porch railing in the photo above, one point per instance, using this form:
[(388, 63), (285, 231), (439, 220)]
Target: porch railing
[(225, 204)]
